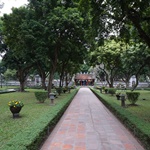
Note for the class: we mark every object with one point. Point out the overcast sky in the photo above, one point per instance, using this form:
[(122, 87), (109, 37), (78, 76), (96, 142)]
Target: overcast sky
[(9, 4)]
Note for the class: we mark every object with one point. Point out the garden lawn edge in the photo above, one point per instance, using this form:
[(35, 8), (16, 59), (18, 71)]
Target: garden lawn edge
[(139, 129), (31, 138)]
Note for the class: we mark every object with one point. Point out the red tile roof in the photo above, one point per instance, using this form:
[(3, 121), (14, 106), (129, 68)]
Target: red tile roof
[(84, 77)]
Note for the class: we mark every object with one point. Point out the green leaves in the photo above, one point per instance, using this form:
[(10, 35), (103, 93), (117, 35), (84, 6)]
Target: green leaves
[(133, 97), (48, 32)]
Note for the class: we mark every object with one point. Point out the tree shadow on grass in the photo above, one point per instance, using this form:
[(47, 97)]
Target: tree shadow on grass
[(132, 105)]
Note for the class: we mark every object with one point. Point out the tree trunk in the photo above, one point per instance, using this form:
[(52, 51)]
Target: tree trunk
[(111, 83), (126, 80), (21, 75), (107, 78), (51, 76), (43, 83), (136, 83), (61, 80), (66, 80), (127, 84), (43, 78), (52, 71), (137, 76), (42, 75), (22, 86)]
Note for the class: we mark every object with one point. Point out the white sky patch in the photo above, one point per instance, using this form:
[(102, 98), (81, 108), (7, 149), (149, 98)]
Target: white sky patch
[(8, 4)]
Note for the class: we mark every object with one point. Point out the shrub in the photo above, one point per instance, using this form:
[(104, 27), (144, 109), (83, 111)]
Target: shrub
[(59, 90), (133, 97), (106, 90), (112, 91), (72, 87), (103, 88), (65, 89), (41, 96)]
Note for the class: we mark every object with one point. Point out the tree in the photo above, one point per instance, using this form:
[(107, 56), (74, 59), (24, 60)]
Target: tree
[(48, 32), (137, 12), (133, 62), (111, 16), (22, 67), (127, 19), (63, 32), (107, 59), (17, 55)]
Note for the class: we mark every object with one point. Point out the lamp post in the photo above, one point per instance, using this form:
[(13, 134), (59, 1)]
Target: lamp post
[(52, 97)]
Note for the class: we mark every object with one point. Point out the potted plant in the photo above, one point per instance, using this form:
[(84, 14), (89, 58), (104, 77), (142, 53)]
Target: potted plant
[(15, 107), (112, 91)]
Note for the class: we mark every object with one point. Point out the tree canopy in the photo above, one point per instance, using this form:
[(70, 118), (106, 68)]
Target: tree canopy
[(57, 36), (38, 35)]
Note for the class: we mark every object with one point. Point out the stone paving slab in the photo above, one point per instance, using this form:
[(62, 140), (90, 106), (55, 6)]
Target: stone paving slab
[(88, 125)]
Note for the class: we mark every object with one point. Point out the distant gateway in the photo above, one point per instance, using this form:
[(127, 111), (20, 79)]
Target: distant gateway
[(84, 79)]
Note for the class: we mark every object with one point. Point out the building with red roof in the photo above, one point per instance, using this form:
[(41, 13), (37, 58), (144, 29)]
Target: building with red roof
[(84, 79)]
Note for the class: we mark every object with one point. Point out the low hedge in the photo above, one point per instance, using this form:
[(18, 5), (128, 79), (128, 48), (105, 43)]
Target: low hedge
[(59, 90), (41, 96), (112, 91), (135, 125), (133, 97), (32, 137)]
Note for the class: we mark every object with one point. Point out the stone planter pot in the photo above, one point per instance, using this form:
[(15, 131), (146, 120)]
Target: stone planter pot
[(15, 111)]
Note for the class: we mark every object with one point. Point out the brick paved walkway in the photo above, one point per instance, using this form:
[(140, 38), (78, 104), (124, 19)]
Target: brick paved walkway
[(88, 125)]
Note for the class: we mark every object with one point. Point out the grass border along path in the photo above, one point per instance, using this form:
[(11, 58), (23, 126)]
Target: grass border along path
[(31, 138), (136, 125)]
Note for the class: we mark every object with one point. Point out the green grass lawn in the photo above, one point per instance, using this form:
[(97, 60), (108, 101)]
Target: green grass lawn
[(141, 110), (4, 87), (31, 111)]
